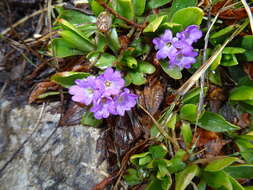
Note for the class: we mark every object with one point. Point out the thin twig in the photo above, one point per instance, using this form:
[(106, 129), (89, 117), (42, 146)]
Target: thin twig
[(160, 128), (117, 15), (247, 8), (25, 19)]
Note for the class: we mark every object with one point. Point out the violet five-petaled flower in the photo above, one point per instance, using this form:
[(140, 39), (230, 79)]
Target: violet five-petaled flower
[(105, 93), (178, 49)]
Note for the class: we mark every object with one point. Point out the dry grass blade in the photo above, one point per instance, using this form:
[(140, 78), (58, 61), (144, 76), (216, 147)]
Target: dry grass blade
[(247, 8)]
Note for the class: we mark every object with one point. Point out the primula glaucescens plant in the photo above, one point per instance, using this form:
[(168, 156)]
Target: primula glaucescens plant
[(106, 93), (178, 49)]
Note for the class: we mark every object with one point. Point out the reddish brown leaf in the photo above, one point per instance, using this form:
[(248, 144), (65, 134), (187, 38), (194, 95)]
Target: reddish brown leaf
[(211, 141), (41, 88), (102, 185), (243, 120), (248, 68)]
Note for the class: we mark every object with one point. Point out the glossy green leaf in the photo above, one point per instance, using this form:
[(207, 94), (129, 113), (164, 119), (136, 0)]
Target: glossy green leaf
[(162, 171), (218, 179), (67, 79), (158, 151), (216, 123), (233, 50), (172, 122), (241, 93), (177, 163), (184, 178), (154, 25), (136, 78), (88, 119), (188, 16), (130, 62), (240, 171), (113, 40), (106, 60), (246, 149), (76, 17), (236, 185), (248, 188), (230, 61), (134, 158), (62, 48), (139, 6), (180, 4), (132, 177), (145, 160), (192, 97), (223, 31), (87, 30), (220, 164), (146, 67), (96, 7), (125, 8), (186, 132), (173, 72), (76, 41), (157, 3), (188, 112), (156, 184)]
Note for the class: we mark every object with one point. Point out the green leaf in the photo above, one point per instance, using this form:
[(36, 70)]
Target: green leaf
[(158, 151), (184, 178), (113, 40), (125, 8), (173, 72), (241, 93), (87, 30), (248, 188), (145, 160), (192, 97), (223, 31), (240, 171), (220, 164), (189, 112), (88, 119), (236, 185), (134, 158), (136, 78), (154, 25), (188, 16), (217, 179), (76, 17), (76, 41), (163, 171), (62, 48), (106, 60), (145, 67), (180, 4), (157, 3), (130, 62), (132, 177), (231, 61), (216, 123), (233, 50), (47, 94), (246, 149), (154, 184), (172, 122), (186, 132), (139, 7), (96, 7), (177, 163), (67, 79)]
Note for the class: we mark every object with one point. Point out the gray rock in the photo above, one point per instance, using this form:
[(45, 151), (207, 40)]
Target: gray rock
[(66, 161)]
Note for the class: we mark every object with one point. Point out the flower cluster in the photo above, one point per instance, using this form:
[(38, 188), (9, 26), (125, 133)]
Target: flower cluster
[(105, 93), (178, 49)]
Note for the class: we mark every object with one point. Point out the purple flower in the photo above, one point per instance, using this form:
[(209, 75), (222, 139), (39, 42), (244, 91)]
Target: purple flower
[(164, 45), (190, 35), (103, 107), (178, 49), (113, 82), (86, 90), (124, 102)]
